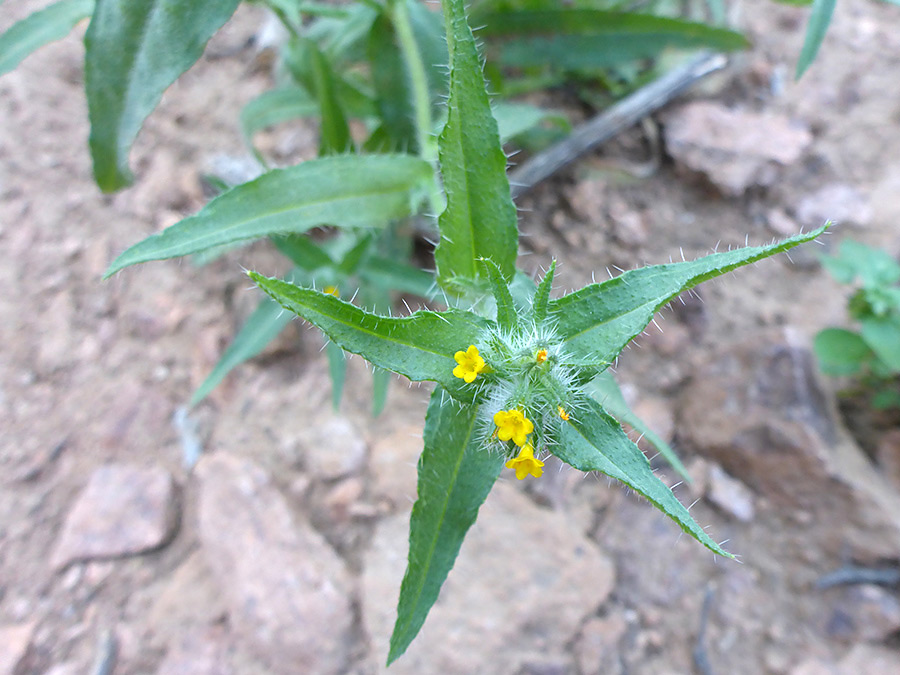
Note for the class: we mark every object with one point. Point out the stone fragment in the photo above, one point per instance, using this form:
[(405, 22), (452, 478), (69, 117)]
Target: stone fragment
[(333, 448), (759, 411), (597, 648), (14, 643), (730, 495), (524, 581), (838, 202), (588, 199), (285, 588), (198, 653), (887, 453), (734, 149), (864, 613), (870, 660), (124, 510)]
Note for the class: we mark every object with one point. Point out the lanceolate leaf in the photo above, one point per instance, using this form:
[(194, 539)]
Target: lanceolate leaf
[(392, 92), (480, 218), (595, 442), (819, 20), (134, 50), (597, 321), (272, 107), (261, 328), (348, 191), (585, 38), (605, 390), (39, 29), (507, 317), (542, 296), (337, 369), (420, 346), (455, 476)]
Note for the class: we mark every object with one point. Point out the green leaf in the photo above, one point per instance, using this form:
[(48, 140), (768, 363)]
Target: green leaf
[(587, 38), (874, 266), (840, 351), (480, 218), (455, 476), (507, 317), (819, 20), (882, 334), (337, 368), (605, 390), (261, 328), (41, 28), (428, 30), (392, 91), (381, 379), (596, 322), (348, 191), (420, 346), (595, 442), (542, 296), (398, 276), (134, 50), (514, 119), (273, 107), (302, 251)]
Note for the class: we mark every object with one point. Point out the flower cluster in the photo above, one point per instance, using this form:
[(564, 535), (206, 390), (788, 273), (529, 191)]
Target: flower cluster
[(525, 390)]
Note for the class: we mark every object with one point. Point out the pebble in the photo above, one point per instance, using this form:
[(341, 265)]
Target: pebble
[(15, 641), (286, 590), (333, 448), (730, 495), (124, 510)]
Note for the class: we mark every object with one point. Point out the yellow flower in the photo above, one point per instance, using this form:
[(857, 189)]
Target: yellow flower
[(541, 356), (331, 290), (470, 364), (513, 424), (562, 413), (526, 463)]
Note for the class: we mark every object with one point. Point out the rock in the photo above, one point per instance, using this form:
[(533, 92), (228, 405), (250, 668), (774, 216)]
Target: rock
[(588, 199), (838, 202), (597, 648), (759, 411), (124, 510), (333, 448), (393, 465), (629, 226), (15, 641), (656, 412), (198, 653), (340, 499), (285, 588), (864, 613), (781, 223), (735, 149), (524, 581), (870, 660), (887, 453), (730, 495)]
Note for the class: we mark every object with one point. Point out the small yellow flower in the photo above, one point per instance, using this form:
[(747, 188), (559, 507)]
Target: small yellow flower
[(470, 364), (562, 413), (541, 356), (331, 290), (513, 424), (526, 463)]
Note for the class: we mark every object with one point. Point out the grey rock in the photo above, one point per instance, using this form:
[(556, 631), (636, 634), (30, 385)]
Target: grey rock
[(760, 412), (524, 581), (838, 202), (393, 465), (15, 641), (333, 448), (863, 613), (730, 495), (198, 653), (735, 149), (286, 590), (871, 660), (597, 647), (124, 510)]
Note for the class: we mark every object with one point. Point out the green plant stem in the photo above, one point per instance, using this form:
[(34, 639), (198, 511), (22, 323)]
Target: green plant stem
[(418, 79)]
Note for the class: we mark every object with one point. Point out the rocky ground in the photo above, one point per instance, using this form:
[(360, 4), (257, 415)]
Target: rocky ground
[(264, 533)]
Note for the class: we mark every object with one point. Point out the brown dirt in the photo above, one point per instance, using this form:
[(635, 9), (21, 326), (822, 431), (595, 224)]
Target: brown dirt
[(92, 372)]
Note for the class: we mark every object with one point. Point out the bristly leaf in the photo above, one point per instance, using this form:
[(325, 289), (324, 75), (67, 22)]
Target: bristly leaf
[(272, 107), (392, 91), (542, 296), (420, 347), (480, 218), (134, 50), (594, 441), (819, 20), (455, 476), (48, 25), (348, 191), (605, 390), (507, 317), (596, 322), (334, 131)]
